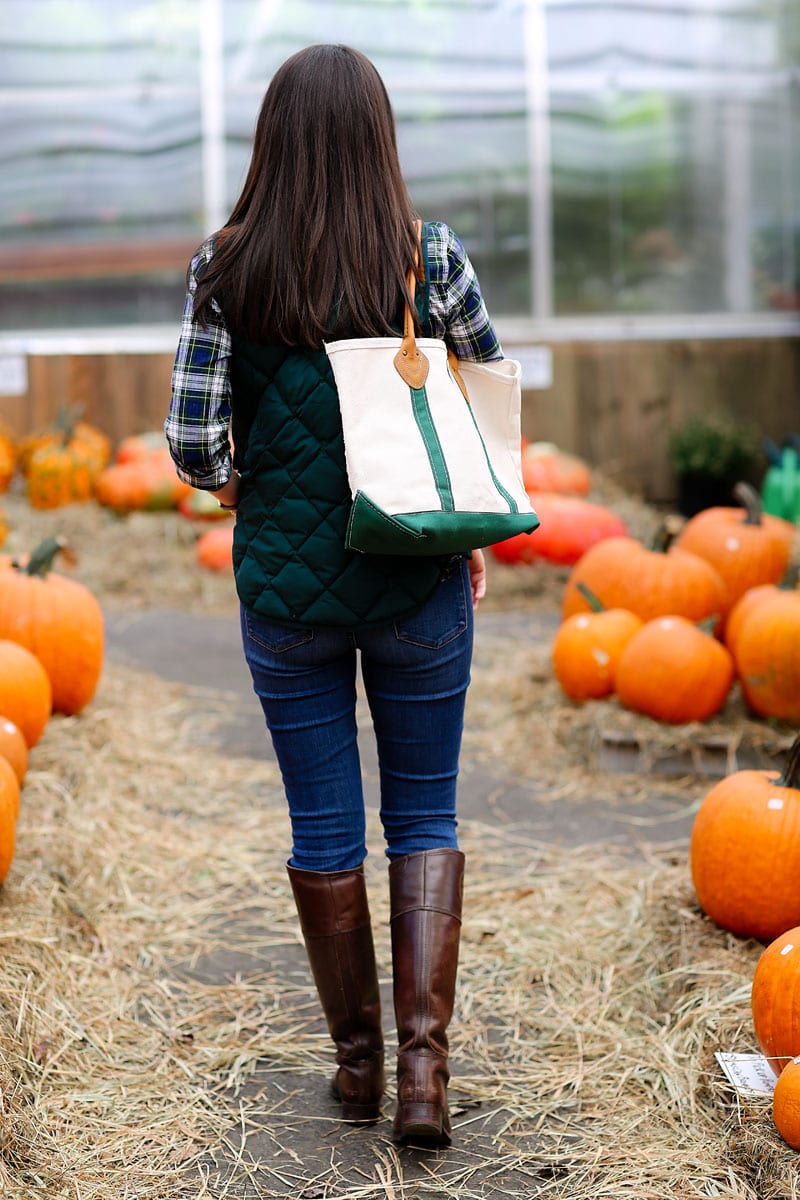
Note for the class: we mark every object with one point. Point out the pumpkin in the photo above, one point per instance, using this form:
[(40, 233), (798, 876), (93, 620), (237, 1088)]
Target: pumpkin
[(624, 573), (139, 447), (569, 526), (8, 460), (745, 851), (545, 468), (767, 656), (746, 604), (137, 485), (58, 474), (746, 546), (13, 748), (57, 619), (202, 506), (587, 649), (26, 696), (214, 549), (674, 671), (8, 824), (9, 786), (786, 1104), (775, 999)]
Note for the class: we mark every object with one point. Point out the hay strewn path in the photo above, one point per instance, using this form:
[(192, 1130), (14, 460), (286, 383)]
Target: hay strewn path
[(592, 997)]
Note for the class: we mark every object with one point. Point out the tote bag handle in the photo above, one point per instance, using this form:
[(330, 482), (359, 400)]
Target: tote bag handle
[(410, 362)]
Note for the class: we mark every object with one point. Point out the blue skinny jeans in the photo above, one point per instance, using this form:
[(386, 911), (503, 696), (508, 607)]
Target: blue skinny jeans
[(415, 673)]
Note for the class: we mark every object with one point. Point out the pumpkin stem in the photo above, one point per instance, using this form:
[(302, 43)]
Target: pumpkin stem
[(594, 604), (791, 772), (42, 558), (663, 538), (749, 498)]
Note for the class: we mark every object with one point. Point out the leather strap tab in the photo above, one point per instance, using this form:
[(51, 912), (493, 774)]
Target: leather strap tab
[(410, 362)]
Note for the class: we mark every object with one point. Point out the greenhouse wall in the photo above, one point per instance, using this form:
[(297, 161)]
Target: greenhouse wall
[(625, 175)]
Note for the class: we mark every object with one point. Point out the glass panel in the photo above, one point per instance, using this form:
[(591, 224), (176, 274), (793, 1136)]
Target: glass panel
[(101, 188), (456, 75), (674, 155)]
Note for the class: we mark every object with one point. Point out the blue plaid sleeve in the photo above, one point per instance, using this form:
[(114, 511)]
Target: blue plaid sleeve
[(457, 311), (196, 427)]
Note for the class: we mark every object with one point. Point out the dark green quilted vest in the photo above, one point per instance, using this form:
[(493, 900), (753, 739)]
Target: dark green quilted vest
[(289, 555)]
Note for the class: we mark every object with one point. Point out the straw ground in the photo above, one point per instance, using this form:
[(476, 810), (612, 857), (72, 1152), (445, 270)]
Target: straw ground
[(592, 996)]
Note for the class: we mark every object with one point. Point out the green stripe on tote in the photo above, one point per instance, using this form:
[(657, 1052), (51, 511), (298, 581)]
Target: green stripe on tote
[(433, 447)]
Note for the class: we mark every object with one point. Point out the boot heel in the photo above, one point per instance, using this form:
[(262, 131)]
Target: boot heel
[(361, 1114), (423, 1123)]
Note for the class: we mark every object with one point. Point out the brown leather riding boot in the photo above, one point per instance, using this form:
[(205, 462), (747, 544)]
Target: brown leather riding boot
[(425, 891), (334, 918)]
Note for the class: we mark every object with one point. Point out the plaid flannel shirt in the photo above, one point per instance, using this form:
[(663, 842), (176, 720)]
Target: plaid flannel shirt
[(199, 414)]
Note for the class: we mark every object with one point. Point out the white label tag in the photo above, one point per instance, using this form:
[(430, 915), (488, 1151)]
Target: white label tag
[(13, 375), (750, 1074), (537, 366)]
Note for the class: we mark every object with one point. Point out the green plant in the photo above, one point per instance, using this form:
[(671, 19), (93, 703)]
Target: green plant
[(714, 446)]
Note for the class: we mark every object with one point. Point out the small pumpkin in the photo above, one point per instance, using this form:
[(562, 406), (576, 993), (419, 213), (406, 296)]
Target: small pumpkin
[(569, 527), (587, 649), (59, 473), (786, 1104), (13, 747), (745, 851), (26, 696), (775, 1000), (651, 582), (214, 549), (767, 656), (57, 619), (545, 468), (746, 546), (674, 671), (141, 485)]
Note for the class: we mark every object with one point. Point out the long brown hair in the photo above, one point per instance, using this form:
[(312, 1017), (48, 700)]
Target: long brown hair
[(321, 238)]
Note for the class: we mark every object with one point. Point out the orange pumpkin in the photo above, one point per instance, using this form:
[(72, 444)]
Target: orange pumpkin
[(749, 602), (8, 460), (545, 468), (673, 671), (59, 473), (786, 1104), (623, 573), (139, 447), (775, 1000), (13, 747), (8, 825), (26, 696), (745, 851), (57, 619), (569, 527), (746, 546), (587, 649), (215, 549), (9, 786), (767, 656)]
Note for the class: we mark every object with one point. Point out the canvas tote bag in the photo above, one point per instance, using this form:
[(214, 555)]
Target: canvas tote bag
[(432, 445)]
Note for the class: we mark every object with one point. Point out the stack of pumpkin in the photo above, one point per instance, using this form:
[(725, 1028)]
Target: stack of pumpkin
[(670, 628), (51, 656), (745, 863)]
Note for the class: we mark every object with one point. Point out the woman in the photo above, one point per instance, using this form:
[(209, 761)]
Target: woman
[(317, 248)]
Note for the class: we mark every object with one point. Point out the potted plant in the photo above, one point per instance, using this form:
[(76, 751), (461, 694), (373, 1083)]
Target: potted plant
[(709, 455)]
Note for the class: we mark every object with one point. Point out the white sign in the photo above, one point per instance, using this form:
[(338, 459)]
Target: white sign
[(537, 366), (750, 1074), (13, 374)]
